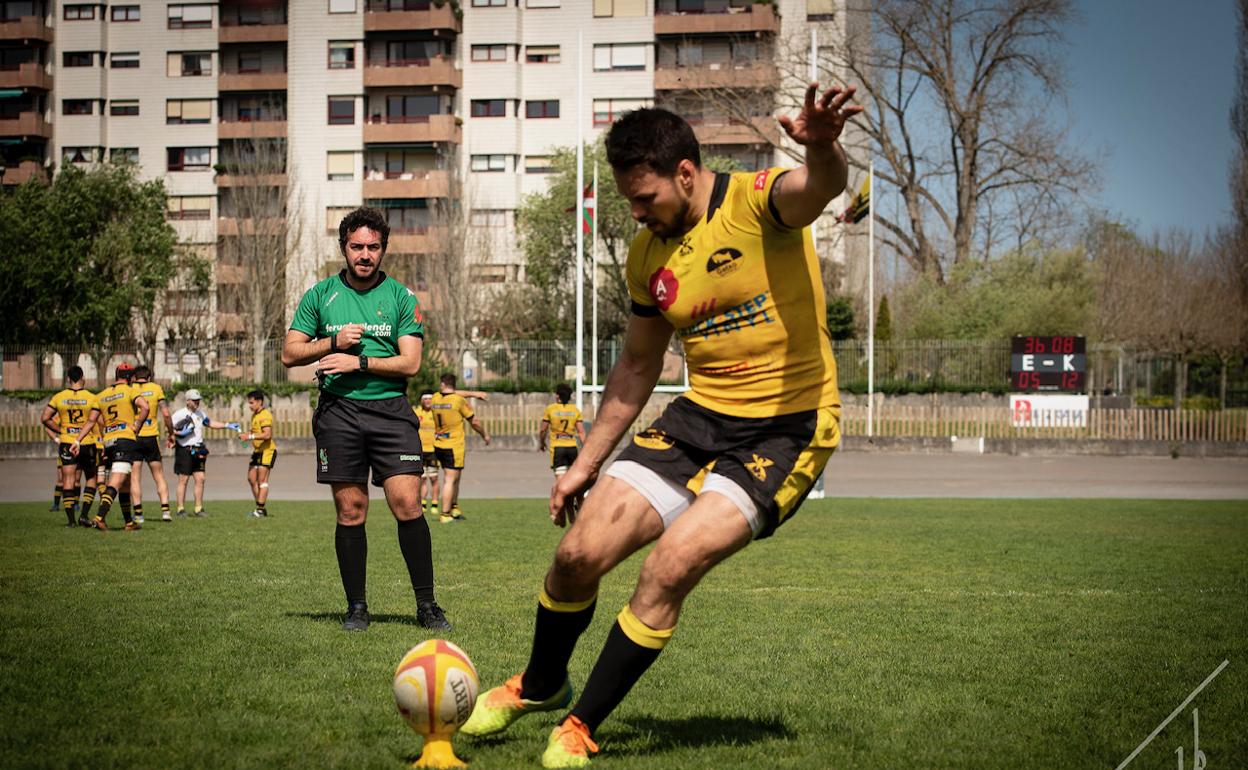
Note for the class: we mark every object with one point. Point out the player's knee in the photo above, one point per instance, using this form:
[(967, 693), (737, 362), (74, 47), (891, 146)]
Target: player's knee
[(575, 564)]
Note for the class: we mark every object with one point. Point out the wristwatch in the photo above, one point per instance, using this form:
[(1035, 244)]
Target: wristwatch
[(363, 363)]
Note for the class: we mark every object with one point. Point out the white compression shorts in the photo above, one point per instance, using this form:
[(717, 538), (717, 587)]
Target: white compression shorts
[(670, 499)]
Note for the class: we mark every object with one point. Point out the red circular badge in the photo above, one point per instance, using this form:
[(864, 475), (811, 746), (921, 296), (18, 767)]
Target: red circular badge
[(663, 287)]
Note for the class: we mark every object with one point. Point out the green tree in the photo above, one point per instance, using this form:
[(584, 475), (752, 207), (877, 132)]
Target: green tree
[(840, 314), (883, 321)]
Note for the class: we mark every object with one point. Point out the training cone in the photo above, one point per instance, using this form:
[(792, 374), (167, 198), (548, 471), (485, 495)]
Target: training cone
[(435, 688)]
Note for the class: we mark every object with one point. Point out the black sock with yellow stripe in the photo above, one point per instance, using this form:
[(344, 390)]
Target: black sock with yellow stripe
[(106, 500), (88, 499), (69, 500), (123, 499), (558, 626), (56, 496), (630, 649)]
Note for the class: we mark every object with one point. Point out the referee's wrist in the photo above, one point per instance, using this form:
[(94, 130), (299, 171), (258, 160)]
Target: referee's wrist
[(333, 343)]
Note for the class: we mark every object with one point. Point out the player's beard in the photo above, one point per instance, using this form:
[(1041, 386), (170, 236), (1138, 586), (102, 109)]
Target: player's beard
[(376, 270), (677, 227)]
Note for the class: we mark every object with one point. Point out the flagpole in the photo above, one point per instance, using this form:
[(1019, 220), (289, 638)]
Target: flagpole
[(814, 76), (593, 250), (871, 300), (580, 226)]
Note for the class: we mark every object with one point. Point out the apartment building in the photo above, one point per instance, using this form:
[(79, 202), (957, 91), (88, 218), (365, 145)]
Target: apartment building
[(259, 109)]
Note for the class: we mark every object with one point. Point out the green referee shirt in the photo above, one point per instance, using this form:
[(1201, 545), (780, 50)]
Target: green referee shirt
[(387, 311)]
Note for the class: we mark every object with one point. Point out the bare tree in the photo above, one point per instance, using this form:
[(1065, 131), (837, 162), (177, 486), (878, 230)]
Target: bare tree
[(187, 321), (259, 199)]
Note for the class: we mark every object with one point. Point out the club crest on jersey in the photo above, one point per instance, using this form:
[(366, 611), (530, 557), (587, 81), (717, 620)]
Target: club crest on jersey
[(663, 287), (760, 179), (653, 439), (723, 262), (759, 467)]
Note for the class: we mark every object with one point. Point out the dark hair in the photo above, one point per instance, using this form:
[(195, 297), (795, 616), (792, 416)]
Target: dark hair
[(142, 372), (74, 374), (124, 371), (449, 380), (563, 392), (652, 136), (364, 216), (256, 395)]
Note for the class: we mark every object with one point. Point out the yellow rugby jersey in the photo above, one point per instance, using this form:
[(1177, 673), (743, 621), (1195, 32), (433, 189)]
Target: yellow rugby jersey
[(153, 394), (563, 419), (72, 409), (746, 299), (259, 421), (449, 414), (427, 427), (116, 405)]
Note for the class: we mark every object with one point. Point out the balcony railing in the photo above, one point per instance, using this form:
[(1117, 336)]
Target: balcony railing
[(409, 184), (31, 74), (248, 129), (252, 81), (754, 74), (379, 17), (724, 130), (15, 175), (757, 18), (438, 71), (26, 28), (26, 124)]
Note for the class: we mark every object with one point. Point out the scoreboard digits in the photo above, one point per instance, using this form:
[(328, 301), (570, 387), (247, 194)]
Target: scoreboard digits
[(1048, 363)]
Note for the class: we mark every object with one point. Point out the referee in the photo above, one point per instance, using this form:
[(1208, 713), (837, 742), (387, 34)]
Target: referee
[(364, 332)]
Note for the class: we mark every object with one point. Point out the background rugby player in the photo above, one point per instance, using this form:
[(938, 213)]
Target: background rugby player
[(149, 442), (563, 421), (120, 414), (263, 451), (451, 412), (65, 415)]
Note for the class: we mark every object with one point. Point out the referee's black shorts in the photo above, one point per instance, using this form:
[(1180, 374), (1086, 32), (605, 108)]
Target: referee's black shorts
[(354, 436)]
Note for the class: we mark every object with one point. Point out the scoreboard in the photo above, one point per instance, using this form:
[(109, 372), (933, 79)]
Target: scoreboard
[(1048, 364)]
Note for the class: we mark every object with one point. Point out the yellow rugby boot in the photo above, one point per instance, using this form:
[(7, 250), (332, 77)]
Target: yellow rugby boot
[(499, 707), (569, 746)]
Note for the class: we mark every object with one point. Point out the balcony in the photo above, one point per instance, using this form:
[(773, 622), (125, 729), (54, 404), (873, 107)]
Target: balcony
[(233, 226), (750, 75), (759, 18), (761, 130), (23, 171), (252, 33), (26, 28), (435, 18), (251, 129), (29, 74), (251, 81), (425, 240), (411, 184), (250, 180), (26, 124), (413, 129), (438, 71)]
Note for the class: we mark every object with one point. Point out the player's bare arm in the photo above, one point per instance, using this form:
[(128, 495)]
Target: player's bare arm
[(802, 194), (475, 424), (142, 410), (86, 429), (50, 423), (541, 435), (629, 386), (405, 364), (299, 349), (164, 412)]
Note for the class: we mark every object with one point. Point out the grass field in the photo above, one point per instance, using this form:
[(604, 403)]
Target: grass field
[(867, 633)]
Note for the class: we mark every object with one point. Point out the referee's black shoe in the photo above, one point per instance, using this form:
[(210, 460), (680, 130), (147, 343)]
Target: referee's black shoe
[(430, 615), (356, 618)]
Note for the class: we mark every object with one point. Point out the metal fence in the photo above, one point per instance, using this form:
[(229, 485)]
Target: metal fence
[(900, 366)]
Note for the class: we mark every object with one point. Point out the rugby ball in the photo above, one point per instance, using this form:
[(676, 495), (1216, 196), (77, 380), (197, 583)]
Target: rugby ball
[(435, 687)]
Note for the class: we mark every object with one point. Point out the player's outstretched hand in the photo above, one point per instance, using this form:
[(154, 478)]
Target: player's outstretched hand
[(568, 493), (338, 363), (821, 120)]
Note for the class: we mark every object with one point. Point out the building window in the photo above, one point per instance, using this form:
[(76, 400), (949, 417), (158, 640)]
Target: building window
[(123, 61), (488, 217), (489, 163), (620, 8), (340, 166), (120, 107), (77, 106), (188, 207), (187, 65), (180, 111), (342, 6), (80, 154), (334, 216), (416, 108), (190, 16), (78, 59), (537, 164), (541, 3), (489, 108), (189, 158), (124, 13), (79, 12), (541, 108), (341, 55), (124, 155), (249, 62), (607, 110), (342, 110), (489, 3), (541, 54), (497, 52), (620, 56)]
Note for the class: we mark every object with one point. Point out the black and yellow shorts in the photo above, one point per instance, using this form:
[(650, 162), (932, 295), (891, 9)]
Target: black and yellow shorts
[(86, 460), (775, 460), (122, 450), (562, 456), (450, 458), (264, 458), (149, 449), (430, 461)]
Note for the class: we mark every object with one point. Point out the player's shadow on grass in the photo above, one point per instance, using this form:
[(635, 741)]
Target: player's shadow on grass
[(336, 617), (655, 736)]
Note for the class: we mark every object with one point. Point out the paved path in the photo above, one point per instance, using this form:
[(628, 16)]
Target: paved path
[(850, 474)]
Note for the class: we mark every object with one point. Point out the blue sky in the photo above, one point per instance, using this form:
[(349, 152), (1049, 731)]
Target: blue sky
[(1150, 93)]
